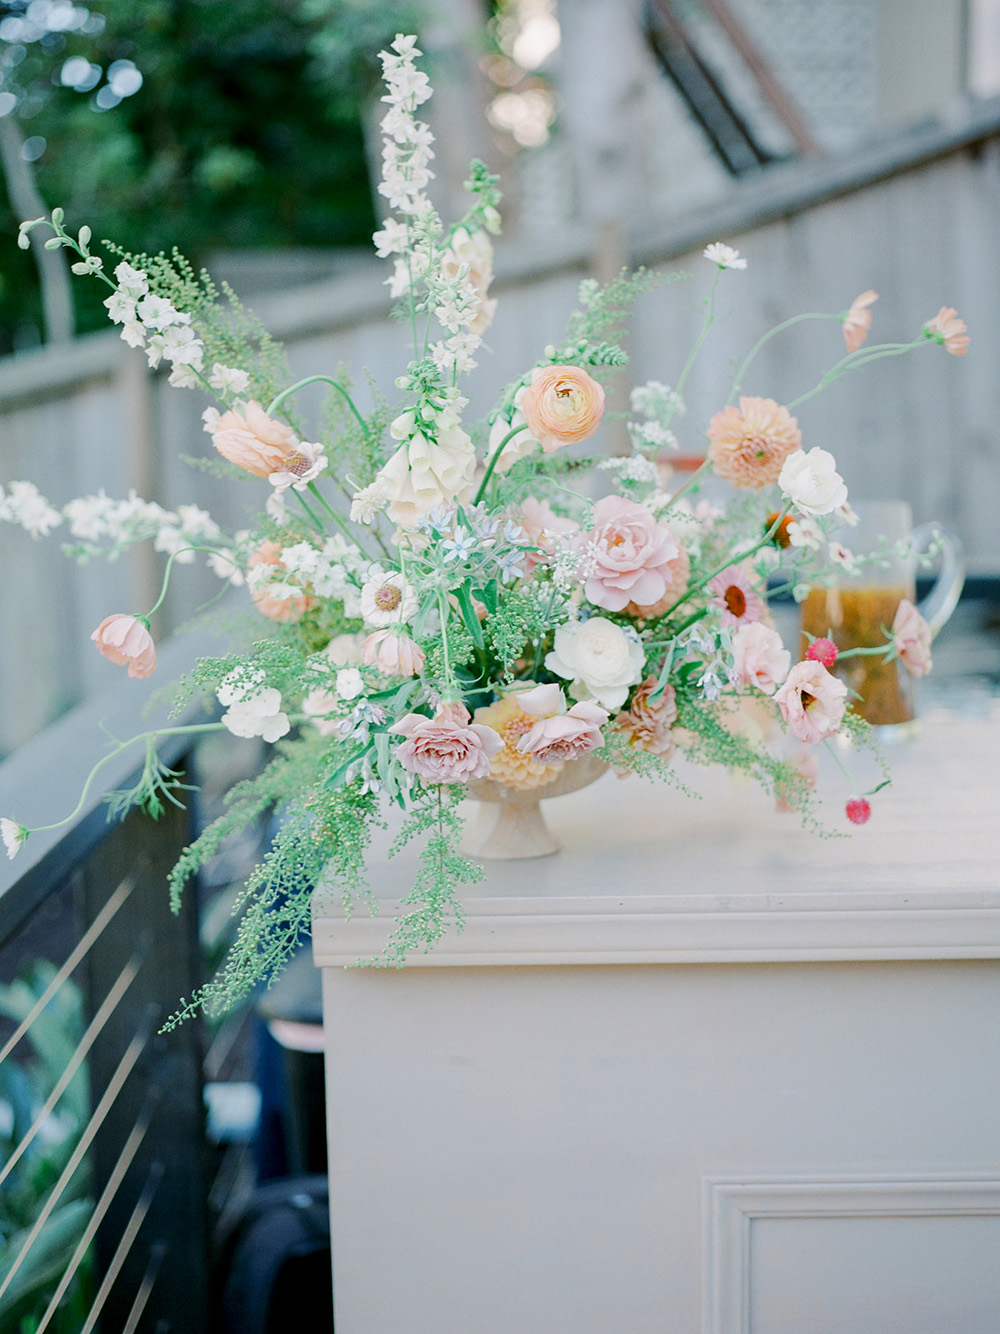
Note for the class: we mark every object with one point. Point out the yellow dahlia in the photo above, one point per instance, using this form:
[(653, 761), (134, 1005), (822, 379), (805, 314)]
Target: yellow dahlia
[(509, 765)]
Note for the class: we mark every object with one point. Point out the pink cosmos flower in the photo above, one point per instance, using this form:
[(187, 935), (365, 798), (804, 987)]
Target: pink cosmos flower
[(858, 320), (946, 328), (558, 737), (257, 443), (759, 657), (734, 593), (126, 639), (632, 555), (393, 652), (812, 702), (912, 636), (648, 723), (446, 748), (562, 405), (748, 445)]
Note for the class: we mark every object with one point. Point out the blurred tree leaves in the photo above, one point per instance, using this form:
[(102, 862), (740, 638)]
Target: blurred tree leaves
[(246, 129)]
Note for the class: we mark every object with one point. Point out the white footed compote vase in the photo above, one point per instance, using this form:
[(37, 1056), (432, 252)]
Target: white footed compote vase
[(510, 823)]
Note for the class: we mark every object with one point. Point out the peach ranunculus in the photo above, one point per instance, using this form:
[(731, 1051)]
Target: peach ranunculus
[(509, 765), (759, 657), (562, 405), (257, 443), (266, 597), (648, 723), (912, 637), (946, 328), (393, 652), (446, 748), (812, 702), (126, 639), (858, 320), (631, 555), (556, 736), (748, 445)]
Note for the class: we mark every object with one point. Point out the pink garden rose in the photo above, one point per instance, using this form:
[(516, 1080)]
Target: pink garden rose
[(759, 657), (393, 652), (812, 702), (562, 405), (126, 639), (558, 737), (446, 748), (633, 556), (912, 637)]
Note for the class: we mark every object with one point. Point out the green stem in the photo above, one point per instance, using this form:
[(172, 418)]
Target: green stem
[(709, 319), (840, 764), (698, 472), (314, 517), (319, 379), (124, 745), (853, 361), (733, 560), (516, 430), (761, 342)]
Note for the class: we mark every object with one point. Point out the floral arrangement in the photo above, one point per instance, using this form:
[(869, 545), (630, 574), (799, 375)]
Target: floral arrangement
[(434, 604)]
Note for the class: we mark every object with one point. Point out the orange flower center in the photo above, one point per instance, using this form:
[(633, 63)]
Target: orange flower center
[(735, 600), (515, 729)]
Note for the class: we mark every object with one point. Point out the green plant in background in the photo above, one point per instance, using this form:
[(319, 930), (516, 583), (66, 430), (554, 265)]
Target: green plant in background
[(169, 123), (25, 1085)]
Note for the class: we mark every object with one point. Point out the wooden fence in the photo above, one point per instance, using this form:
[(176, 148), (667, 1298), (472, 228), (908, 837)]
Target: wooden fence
[(915, 219)]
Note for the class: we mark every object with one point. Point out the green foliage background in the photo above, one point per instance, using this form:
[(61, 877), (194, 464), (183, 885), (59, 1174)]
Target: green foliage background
[(246, 132)]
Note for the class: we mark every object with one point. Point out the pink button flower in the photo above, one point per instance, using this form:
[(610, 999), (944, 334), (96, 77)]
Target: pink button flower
[(812, 702), (562, 405), (632, 553), (446, 748), (126, 639)]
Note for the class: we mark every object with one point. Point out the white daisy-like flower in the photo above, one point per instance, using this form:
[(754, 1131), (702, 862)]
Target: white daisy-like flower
[(724, 256), (350, 683), (309, 462), (841, 556), (387, 599), (13, 835)]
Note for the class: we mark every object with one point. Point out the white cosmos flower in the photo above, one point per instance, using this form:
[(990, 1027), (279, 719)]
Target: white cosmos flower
[(811, 482), (350, 683), (13, 836), (723, 255), (387, 599)]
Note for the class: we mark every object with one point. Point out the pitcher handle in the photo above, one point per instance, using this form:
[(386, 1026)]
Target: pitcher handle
[(942, 600)]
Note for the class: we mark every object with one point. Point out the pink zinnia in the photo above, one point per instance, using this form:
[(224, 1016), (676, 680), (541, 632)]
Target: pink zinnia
[(858, 320), (812, 702), (446, 748), (912, 636), (748, 445), (946, 328), (631, 554), (734, 593), (126, 639)]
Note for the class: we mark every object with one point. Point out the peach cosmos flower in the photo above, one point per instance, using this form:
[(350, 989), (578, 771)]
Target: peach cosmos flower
[(393, 652), (562, 405), (446, 748), (258, 444), (648, 723), (858, 320), (631, 555), (812, 702), (759, 657), (267, 603), (126, 639), (556, 736), (748, 445), (912, 637), (946, 328)]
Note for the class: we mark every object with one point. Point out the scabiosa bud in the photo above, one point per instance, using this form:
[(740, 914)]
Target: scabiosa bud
[(824, 651), (858, 810)]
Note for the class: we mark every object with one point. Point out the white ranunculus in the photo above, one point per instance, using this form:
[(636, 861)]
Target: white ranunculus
[(811, 482), (600, 659)]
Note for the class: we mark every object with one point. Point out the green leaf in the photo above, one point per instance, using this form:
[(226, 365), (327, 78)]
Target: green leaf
[(472, 622), (488, 595)]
